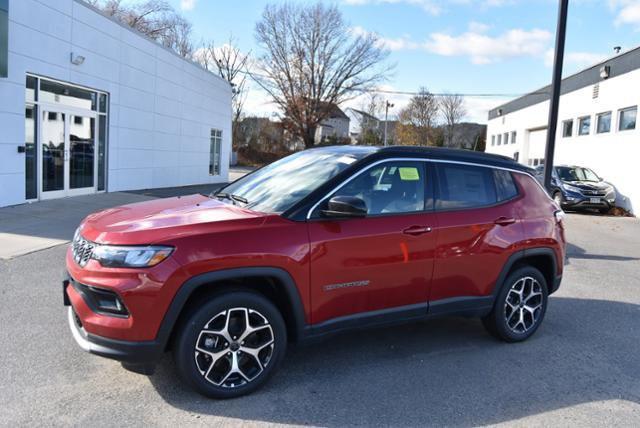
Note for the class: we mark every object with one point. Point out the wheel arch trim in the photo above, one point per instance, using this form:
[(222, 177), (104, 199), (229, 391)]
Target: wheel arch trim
[(194, 283), (520, 255)]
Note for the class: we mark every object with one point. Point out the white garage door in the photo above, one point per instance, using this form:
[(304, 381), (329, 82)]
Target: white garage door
[(537, 142)]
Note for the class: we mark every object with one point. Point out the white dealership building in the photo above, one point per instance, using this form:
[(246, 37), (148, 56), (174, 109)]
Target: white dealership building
[(88, 105), (596, 124)]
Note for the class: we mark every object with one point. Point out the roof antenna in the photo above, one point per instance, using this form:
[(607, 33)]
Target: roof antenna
[(617, 49)]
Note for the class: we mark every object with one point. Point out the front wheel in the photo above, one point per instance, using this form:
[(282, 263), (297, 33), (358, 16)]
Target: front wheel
[(231, 345), (519, 307)]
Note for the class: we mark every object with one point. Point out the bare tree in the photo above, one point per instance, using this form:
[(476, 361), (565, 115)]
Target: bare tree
[(230, 64), (419, 117), (312, 61), (452, 109), (154, 18)]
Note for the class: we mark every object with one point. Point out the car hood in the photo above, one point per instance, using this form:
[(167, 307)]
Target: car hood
[(158, 220), (589, 185)]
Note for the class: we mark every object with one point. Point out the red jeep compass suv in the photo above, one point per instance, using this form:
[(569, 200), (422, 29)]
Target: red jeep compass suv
[(324, 240)]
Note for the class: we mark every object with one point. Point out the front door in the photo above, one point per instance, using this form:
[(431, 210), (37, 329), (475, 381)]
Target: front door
[(384, 260), (68, 161)]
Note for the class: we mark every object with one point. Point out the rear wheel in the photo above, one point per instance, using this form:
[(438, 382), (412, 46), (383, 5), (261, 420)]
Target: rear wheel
[(519, 307), (231, 345)]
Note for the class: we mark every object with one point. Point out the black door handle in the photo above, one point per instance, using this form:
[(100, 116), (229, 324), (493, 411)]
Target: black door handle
[(504, 221), (416, 230)]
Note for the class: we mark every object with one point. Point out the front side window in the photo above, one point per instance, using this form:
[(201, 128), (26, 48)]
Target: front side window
[(278, 186), (462, 186), (627, 120), (584, 125), (567, 128), (214, 152), (390, 188), (604, 123)]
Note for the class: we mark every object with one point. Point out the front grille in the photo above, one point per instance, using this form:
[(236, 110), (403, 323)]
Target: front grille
[(81, 250), (594, 192)]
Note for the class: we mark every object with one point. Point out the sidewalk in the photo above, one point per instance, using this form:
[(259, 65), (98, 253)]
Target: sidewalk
[(32, 227)]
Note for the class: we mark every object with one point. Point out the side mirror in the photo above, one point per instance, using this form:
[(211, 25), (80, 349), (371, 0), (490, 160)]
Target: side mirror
[(345, 207)]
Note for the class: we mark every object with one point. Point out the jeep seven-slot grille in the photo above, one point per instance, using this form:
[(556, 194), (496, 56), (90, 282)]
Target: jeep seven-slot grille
[(82, 250)]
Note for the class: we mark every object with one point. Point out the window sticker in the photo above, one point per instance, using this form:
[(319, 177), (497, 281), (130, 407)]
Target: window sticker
[(409, 174)]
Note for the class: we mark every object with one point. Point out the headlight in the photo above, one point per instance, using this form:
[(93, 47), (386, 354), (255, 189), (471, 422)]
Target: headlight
[(571, 188), (130, 257)]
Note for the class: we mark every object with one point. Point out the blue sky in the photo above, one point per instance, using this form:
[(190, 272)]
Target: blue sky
[(462, 46)]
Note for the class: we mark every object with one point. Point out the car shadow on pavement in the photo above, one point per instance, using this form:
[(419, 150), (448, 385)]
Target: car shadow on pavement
[(576, 252), (442, 372)]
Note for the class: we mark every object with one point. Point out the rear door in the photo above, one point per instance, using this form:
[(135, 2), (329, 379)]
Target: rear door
[(479, 228), (384, 260)]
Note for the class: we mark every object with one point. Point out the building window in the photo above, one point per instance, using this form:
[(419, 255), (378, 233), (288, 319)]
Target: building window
[(567, 128), (493, 140), (214, 155), (513, 137), (604, 123), (584, 125), (506, 138), (499, 139), (627, 119)]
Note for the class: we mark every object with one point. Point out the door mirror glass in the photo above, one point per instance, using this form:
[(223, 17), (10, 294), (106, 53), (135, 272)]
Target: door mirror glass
[(345, 207)]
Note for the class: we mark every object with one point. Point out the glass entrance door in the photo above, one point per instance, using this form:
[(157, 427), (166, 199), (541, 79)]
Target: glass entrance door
[(68, 144)]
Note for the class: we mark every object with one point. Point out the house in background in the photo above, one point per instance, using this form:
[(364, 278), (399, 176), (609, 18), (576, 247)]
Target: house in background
[(596, 124), (335, 126), (90, 105)]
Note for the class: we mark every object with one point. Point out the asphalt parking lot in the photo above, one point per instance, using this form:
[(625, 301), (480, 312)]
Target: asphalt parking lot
[(582, 368)]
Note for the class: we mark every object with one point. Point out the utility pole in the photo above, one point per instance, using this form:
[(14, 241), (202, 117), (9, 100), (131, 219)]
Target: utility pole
[(386, 116), (555, 92)]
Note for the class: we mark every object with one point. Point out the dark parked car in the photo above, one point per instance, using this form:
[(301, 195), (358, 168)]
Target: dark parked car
[(576, 187), (319, 242)]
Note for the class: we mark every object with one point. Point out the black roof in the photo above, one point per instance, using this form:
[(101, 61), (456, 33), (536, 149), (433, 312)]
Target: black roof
[(441, 153)]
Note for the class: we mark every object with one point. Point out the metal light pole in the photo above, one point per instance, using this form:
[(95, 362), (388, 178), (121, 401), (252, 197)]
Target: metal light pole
[(555, 92), (386, 115)]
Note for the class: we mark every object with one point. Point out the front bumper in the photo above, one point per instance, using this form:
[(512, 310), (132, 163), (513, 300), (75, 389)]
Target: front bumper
[(139, 357)]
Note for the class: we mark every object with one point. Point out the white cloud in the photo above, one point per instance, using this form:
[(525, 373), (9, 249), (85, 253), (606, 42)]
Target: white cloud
[(484, 49), (187, 4), (628, 13), (578, 59), (391, 44)]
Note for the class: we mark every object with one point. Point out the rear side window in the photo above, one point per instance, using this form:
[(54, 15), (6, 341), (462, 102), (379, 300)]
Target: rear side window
[(465, 186), (505, 186)]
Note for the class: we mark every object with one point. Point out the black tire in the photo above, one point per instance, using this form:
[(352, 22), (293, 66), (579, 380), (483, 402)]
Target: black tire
[(499, 323), (190, 361)]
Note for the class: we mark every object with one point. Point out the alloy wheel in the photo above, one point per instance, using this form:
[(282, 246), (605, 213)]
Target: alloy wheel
[(523, 305), (234, 347)]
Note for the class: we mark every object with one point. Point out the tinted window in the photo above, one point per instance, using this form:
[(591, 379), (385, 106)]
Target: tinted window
[(388, 188), (462, 186), (505, 186), (278, 186)]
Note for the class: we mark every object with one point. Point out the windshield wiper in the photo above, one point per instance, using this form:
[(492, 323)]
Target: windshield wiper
[(232, 198)]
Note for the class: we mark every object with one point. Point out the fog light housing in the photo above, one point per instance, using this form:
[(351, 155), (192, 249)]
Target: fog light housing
[(102, 301)]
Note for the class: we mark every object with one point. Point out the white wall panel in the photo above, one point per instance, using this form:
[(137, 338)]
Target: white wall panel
[(161, 110)]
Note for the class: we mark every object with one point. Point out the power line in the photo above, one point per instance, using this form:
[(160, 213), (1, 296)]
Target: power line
[(413, 93)]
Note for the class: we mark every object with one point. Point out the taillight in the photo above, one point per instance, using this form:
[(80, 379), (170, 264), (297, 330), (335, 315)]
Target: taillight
[(559, 215)]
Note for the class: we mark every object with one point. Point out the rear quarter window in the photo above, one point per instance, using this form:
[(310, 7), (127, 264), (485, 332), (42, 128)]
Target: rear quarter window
[(505, 185)]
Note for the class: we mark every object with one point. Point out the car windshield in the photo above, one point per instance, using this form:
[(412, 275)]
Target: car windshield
[(278, 186), (577, 174)]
